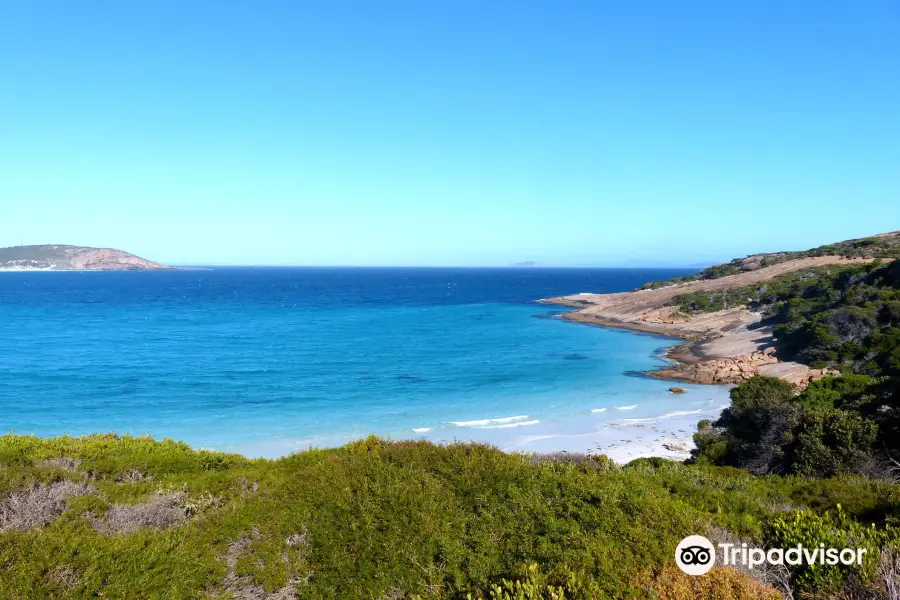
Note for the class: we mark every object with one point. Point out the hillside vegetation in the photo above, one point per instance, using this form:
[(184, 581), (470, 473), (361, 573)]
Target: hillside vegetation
[(845, 318), (886, 245), (121, 517)]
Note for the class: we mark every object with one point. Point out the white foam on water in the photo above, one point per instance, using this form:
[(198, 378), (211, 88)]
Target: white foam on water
[(486, 422), (508, 425), (598, 410), (632, 407), (682, 413), (671, 415)]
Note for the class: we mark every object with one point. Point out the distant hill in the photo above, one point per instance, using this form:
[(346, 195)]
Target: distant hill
[(60, 257)]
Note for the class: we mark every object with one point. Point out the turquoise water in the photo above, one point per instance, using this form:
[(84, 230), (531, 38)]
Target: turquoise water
[(271, 361)]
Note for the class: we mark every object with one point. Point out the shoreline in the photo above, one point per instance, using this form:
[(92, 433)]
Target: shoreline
[(623, 429), (674, 444), (624, 418), (685, 352), (725, 346)]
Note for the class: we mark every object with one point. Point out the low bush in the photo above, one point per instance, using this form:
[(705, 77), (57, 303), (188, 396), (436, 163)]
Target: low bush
[(376, 519)]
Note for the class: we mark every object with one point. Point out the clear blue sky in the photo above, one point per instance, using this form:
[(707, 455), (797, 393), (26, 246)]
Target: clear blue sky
[(447, 132)]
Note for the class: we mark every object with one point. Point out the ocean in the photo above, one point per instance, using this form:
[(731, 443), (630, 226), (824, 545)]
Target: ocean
[(270, 361)]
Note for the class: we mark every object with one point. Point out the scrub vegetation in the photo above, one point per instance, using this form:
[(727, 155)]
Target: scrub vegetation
[(846, 319), (876, 247), (121, 517)]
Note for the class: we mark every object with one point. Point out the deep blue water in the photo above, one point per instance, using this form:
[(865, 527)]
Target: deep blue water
[(271, 360)]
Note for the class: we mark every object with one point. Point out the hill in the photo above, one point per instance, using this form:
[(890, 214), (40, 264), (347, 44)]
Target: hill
[(883, 245), (59, 257), (731, 337)]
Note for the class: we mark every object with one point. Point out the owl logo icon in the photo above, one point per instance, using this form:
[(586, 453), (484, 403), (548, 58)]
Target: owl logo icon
[(695, 555)]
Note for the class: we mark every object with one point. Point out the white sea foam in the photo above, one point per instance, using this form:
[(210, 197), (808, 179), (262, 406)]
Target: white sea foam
[(421, 429), (598, 410), (632, 407), (681, 413), (508, 425), (671, 415), (486, 422)]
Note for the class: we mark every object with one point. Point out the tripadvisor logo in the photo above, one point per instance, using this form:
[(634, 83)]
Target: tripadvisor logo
[(696, 555)]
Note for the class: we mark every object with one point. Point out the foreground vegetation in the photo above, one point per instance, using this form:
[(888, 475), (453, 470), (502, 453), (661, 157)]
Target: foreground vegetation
[(121, 517)]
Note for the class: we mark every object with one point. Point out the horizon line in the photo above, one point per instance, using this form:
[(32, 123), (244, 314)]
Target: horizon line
[(517, 267)]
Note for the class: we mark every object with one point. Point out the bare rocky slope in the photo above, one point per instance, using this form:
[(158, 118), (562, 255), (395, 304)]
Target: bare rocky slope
[(58, 257), (727, 346)]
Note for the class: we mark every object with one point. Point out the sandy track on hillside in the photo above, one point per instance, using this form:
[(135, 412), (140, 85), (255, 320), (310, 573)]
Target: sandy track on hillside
[(648, 306)]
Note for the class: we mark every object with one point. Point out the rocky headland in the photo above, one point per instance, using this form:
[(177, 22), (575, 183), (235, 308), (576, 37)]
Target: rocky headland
[(59, 257), (725, 346)]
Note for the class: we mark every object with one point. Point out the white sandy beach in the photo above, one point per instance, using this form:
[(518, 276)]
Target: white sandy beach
[(623, 432)]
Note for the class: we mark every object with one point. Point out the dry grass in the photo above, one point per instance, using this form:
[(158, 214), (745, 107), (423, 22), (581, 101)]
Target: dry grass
[(37, 506), (239, 587), (164, 511), (62, 462), (64, 576), (721, 583), (889, 572), (133, 476)]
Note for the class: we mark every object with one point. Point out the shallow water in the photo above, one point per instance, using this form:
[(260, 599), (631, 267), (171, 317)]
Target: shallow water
[(267, 361)]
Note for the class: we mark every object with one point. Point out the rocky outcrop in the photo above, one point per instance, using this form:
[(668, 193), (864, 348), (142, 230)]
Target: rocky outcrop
[(720, 370), (738, 369)]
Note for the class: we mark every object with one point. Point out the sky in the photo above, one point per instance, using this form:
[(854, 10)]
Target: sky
[(448, 132)]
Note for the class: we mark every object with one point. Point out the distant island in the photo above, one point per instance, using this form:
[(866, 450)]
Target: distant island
[(61, 257)]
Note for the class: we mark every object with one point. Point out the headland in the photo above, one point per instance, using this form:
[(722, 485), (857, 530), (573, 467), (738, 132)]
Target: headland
[(717, 312), (62, 257)]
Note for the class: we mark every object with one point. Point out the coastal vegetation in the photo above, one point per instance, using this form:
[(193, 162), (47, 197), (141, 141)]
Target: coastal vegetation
[(105, 516), (844, 318), (846, 425), (122, 517), (875, 247)]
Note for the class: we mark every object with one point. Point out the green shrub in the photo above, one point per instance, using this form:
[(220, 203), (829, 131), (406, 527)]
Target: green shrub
[(833, 529), (832, 442), (756, 428)]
